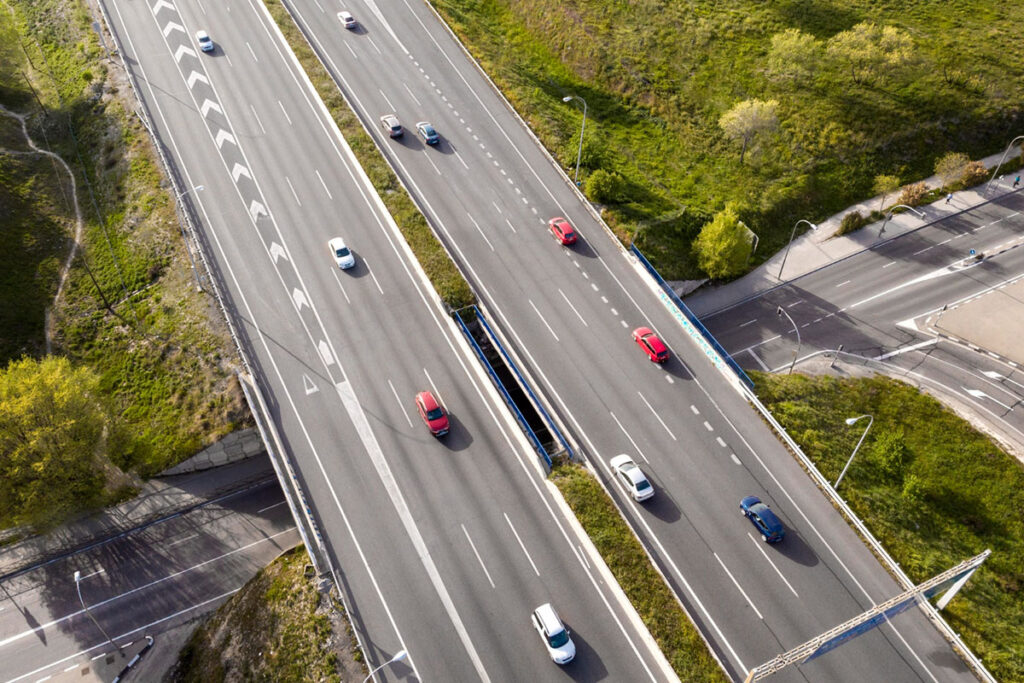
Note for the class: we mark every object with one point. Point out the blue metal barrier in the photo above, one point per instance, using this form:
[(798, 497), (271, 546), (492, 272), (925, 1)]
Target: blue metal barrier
[(501, 388), (692, 318)]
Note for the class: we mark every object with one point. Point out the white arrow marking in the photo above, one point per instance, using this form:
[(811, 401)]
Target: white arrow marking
[(161, 4), (996, 376), (208, 105), (325, 353), (299, 297), (173, 26), (256, 210), (239, 171), (277, 252), (976, 393), (224, 136), (196, 76), (183, 50), (311, 388)]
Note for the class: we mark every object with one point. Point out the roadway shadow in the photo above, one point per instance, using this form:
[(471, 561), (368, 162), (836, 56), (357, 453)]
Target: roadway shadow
[(587, 664), (794, 548), (662, 505), (582, 247), (458, 437)]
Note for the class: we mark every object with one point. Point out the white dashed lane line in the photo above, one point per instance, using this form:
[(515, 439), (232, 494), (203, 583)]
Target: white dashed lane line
[(656, 416)]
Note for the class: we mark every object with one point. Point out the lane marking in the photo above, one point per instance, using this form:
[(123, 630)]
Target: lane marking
[(735, 459), (748, 322), (760, 547), (254, 57), (739, 588), (573, 308), (317, 171), (845, 282), (721, 441), (285, 112), (707, 426), (521, 544), (477, 226), (657, 416), (543, 320), (401, 406), (629, 437), (270, 507), (287, 180), (191, 536), (375, 280), (478, 558), (694, 409)]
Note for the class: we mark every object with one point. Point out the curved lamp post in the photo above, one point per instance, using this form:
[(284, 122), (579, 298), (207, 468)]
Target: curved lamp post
[(782, 311), (400, 655), (1001, 160), (888, 216), (579, 153), (791, 236), (78, 586), (851, 421)]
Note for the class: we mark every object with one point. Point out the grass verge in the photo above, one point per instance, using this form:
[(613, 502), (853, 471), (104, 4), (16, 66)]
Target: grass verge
[(278, 627), (930, 487), (632, 568), (163, 354), (453, 289)]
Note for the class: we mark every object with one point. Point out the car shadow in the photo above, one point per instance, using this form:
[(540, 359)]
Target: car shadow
[(582, 247), (793, 547), (661, 505), (587, 664), (409, 140), (458, 437), (676, 368), (359, 270)]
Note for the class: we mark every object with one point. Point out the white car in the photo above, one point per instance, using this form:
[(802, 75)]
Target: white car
[(630, 476), (203, 38), (389, 122), (554, 634), (342, 255), (347, 20)]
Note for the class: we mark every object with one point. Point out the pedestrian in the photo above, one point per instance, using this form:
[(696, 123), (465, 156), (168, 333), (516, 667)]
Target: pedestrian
[(949, 197), (1016, 181)]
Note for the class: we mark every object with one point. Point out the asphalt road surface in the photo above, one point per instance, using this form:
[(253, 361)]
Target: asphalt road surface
[(489, 190), (443, 547), (899, 303), (140, 584)]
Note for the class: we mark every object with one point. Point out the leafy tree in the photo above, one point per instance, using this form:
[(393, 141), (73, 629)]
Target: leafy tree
[(950, 167), (884, 186), (52, 428), (794, 55), (748, 118), (723, 245), (603, 187), (869, 50)]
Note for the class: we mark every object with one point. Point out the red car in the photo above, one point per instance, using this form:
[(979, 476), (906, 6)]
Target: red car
[(562, 231), (432, 413), (652, 346)]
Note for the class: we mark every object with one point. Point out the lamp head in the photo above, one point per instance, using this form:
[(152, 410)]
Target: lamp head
[(813, 226), (399, 656), (78, 576), (567, 98), (778, 311)]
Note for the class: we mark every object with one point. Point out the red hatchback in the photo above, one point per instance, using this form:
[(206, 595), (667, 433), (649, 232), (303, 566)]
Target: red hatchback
[(652, 346), (562, 231), (432, 413)]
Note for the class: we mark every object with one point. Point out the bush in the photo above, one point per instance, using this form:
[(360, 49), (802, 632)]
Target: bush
[(723, 246), (604, 187), (890, 451), (851, 222), (973, 174), (914, 194)]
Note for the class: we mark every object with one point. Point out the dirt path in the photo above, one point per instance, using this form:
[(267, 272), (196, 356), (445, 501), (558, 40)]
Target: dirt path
[(76, 241)]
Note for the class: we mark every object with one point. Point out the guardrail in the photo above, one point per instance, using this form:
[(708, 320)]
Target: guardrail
[(692, 319)]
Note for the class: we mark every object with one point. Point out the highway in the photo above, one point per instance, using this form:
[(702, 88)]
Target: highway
[(884, 303), (442, 547), (489, 190), (140, 584)]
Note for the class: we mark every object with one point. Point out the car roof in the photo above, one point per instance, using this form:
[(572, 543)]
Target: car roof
[(549, 618), (619, 459), (768, 517), (429, 402), (336, 242)]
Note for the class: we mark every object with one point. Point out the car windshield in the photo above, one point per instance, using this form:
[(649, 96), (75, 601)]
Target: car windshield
[(342, 252), (435, 414), (428, 131), (559, 639)]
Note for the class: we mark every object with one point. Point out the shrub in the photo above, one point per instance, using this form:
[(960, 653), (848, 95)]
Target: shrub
[(723, 246), (851, 222), (890, 451), (914, 194), (913, 490), (974, 173), (604, 187)]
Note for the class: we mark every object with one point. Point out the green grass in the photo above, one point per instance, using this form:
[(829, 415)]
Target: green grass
[(273, 629), (643, 585), (442, 272), (931, 488), (658, 75), (164, 357)]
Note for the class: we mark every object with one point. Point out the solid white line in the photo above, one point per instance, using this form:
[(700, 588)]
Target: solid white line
[(543, 320), (748, 322), (629, 437), (283, 111), (256, 116), (433, 387), (521, 544), (759, 546), (412, 95), (921, 251), (890, 263), (657, 416), (478, 558), (293, 190), (477, 226), (573, 308), (391, 107), (401, 406), (459, 157), (738, 587), (254, 58), (188, 538), (375, 280), (271, 507), (764, 366), (324, 184), (845, 282), (72, 668), (337, 279)]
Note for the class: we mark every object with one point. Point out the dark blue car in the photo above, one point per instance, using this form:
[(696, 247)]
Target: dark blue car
[(761, 516)]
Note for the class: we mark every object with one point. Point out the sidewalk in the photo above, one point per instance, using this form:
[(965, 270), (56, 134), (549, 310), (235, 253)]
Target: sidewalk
[(159, 498), (817, 249)]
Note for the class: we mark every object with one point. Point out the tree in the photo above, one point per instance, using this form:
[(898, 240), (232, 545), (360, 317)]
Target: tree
[(52, 428), (884, 186), (950, 167), (749, 118), (603, 187), (869, 50), (794, 55), (723, 245)]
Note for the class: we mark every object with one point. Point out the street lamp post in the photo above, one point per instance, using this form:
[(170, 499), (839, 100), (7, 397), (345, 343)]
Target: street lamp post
[(782, 311), (888, 216), (579, 153), (400, 655), (851, 421), (78, 586), (790, 244), (1001, 160)]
